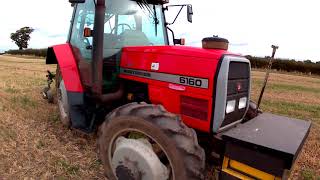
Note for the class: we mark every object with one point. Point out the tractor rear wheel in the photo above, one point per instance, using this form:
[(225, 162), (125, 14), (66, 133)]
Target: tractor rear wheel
[(62, 99), (143, 141)]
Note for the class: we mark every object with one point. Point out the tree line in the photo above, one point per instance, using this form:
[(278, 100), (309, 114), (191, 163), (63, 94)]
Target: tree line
[(288, 65), (29, 52), (22, 36)]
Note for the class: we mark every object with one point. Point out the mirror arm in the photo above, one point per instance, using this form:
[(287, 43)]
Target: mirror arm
[(173, 37), (182, 6)]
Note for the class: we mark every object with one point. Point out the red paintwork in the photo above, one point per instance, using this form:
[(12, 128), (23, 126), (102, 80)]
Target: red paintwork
[(68, 67), (180, 60)]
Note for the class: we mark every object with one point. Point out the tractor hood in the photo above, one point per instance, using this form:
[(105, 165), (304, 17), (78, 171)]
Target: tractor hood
[(175, 60), (178, 50)]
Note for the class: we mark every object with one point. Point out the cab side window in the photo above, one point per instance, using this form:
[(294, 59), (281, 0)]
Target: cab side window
[(84, 18)]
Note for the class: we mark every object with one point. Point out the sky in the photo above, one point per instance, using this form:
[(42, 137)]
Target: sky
[(251, 26)]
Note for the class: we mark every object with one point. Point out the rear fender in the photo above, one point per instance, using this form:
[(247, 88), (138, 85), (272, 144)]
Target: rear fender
[(51, 56), (63, 55)]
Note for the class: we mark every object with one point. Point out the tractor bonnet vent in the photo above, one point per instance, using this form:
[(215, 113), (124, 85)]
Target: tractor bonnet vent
[(215, 42)]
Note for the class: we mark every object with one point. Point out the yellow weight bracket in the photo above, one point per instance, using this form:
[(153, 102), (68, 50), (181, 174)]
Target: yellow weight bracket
[(244, 172)]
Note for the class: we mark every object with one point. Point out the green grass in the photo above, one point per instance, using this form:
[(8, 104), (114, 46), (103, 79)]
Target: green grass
[(53, 117), (24, 101), (68, 168), (60, 178), (7, 133), (95, 164), (39, 81), (292, 106), (308, 174), (286, 87), (11, 90), (292, 109), (3, 107), (41, 144)]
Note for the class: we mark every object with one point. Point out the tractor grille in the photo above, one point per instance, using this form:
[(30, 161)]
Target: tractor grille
[(238, 87)]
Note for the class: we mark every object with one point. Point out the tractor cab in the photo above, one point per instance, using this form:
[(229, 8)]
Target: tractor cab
[(129, 24), (122, 23)]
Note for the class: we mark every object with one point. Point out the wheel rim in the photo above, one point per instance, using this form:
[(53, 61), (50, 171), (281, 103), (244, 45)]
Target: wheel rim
[(162, 154), (63, 103)]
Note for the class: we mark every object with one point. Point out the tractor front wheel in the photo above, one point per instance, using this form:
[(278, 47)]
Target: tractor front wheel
[(143, 141)]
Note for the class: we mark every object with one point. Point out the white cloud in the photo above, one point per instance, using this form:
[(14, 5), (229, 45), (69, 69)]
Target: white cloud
[(255, 25)]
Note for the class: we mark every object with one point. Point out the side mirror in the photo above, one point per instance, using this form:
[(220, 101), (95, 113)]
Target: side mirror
[(77, 1), (87, 32), (189, 13)]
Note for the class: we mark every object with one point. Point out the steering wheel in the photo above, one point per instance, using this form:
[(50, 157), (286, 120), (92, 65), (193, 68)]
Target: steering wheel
[(86, 43), (122, 24)]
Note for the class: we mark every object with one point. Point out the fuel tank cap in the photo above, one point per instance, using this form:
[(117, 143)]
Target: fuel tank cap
[(215, 42)]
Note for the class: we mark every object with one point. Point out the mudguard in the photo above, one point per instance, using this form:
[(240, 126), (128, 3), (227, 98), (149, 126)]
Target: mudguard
[(267, 146), (63, 55)]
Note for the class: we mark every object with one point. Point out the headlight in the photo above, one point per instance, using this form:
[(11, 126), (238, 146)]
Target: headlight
[(231, 105), (242, 102)]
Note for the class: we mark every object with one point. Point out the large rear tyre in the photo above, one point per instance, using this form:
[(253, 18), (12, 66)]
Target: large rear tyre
[(62, 100), (175, 145)]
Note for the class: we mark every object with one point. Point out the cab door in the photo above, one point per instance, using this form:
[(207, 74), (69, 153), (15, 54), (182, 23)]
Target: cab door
[(82, 46)]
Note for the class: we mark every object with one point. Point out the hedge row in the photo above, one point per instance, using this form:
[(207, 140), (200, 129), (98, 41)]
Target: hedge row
[(30, 52), (307, 66), (256, 62)]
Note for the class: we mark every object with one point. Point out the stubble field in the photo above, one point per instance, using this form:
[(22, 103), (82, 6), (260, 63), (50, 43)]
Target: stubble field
[(34, 144)]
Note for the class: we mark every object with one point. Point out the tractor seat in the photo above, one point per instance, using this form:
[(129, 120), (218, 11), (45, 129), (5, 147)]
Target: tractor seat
[(113, 43), (109, 40), (133, 38), (110, 45)]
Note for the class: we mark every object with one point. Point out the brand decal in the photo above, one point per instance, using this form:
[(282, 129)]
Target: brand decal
[(137, 73), (155, 66), (183, 80), (191, 81)]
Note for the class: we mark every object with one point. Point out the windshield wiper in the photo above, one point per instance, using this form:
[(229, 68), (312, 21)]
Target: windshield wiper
[(156, 20), (145, 5)]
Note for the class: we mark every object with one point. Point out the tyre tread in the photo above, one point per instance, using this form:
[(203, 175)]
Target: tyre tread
[(184, 137)]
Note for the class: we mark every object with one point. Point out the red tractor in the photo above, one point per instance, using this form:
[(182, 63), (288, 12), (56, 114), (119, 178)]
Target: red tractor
[(160, 111)]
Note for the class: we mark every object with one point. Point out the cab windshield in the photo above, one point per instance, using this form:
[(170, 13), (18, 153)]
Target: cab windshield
[(128, 23)]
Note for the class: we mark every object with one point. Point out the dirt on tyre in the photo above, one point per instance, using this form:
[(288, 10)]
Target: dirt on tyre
[(62, 99), (175, 144)]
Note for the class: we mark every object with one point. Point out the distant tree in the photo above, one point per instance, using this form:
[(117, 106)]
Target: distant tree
[(21, 37), (308, 61)]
